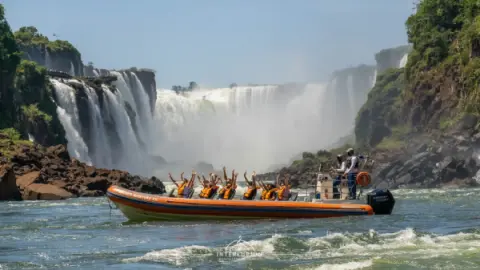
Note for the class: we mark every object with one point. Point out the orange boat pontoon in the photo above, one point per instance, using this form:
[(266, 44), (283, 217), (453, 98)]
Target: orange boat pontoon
[(138, 206)]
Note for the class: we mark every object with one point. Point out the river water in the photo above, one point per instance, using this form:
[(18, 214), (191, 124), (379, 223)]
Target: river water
[(429, 229)]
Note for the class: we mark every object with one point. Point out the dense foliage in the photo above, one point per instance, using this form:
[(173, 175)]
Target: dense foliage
[(25, 93), (28, 36), (9, 59), (446, 43)]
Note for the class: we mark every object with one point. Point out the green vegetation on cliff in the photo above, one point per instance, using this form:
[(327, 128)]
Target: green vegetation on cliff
[(28, 36), (34, 99), (444, 63), (379, 114), (9, 59), (440, 83), (25, 92), (10, 140)]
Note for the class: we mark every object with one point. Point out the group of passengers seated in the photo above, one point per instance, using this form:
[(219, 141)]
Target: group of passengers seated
[(270, 192)]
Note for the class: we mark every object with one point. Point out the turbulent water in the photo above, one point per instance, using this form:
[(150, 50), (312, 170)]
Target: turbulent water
[(429, 229), (244, 127)]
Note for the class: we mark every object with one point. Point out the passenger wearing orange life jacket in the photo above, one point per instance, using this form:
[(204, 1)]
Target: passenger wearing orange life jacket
[(264, 190), (283, 192), (228, 191), (271, 192), (251, 192), (206, 190), (215, 179), (180, 187)]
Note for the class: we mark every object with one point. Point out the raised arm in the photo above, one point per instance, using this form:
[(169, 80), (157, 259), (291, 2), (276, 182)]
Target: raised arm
[(233, 174), (277, 180), (192, 179), (246, 178), (262, 184), (225, 177), (234, 185), (173, 180), (200, 180)]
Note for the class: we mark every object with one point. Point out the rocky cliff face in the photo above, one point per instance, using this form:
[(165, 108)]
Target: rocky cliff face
[(351, 87), (392, 58), (65, 61), (421, 121)]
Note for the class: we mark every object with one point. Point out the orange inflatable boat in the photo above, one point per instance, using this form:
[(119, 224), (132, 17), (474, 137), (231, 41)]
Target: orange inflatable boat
[(138, 206)]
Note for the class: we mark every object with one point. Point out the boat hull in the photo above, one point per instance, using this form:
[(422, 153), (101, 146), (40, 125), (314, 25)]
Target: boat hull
[(138, 206)]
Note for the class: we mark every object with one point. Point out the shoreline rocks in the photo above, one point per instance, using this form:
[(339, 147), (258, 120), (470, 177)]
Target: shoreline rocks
[(37, 173), (426, 161)]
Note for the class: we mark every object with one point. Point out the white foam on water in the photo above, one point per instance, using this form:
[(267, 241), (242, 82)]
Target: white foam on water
[(348, 247)]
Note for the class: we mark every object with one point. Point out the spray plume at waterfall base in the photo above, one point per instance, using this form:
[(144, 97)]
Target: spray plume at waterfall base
[(246, 128)]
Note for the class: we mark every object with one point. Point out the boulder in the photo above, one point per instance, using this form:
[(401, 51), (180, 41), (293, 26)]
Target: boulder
[(45, 192), (8, 186), (27, 179)]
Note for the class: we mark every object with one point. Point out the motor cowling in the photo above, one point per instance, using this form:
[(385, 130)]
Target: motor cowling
[(381, 201)]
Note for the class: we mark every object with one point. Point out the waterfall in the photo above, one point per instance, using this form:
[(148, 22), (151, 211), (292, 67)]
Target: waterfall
[(246, 128), (374, 81), (100, 151), (48, 59), (72, 69), (68, 114), (351, 96), (403, 61)]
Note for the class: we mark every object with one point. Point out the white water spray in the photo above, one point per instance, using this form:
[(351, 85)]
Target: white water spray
[(403, 61)]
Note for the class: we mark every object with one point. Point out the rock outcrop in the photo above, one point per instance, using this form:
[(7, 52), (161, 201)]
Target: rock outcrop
[(36, 173), (391, 58), (8, 187)]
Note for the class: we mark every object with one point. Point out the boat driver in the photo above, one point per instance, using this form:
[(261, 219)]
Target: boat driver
[(351, 173)]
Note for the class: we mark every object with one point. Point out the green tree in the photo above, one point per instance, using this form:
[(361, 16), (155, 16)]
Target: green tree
[(192, 86), (9, 60)]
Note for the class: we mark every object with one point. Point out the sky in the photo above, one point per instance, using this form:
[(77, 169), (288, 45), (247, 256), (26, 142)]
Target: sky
[(218, 42)]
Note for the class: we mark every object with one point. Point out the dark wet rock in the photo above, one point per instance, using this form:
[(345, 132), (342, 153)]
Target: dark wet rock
[(8, 187), (50, 174)]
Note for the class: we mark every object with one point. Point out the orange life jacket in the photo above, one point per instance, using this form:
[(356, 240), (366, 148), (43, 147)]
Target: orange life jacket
[(206, 192), (281, 192), (264, 193), (226, 194), (181, 188), (248, 194), (269, 194)]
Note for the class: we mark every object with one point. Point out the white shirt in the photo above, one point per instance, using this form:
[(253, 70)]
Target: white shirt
[(352, 168), (342, 167)]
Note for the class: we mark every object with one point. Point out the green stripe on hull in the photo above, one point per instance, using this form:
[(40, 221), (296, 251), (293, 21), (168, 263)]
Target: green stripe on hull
[(135, 214)]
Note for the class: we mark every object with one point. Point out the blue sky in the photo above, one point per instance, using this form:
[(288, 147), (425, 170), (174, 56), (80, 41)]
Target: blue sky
[(217, 42)]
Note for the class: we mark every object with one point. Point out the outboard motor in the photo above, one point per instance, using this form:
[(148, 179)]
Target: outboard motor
[(381, 201)]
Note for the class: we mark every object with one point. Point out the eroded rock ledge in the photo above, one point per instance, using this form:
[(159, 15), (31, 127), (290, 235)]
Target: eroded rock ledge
[(36, 173)]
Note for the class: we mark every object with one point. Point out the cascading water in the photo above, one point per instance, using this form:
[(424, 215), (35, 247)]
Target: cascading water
[(48, 59), (245, 128), (72, 69), (403, 61), (68, 114), (100, 151), (351, 96)]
